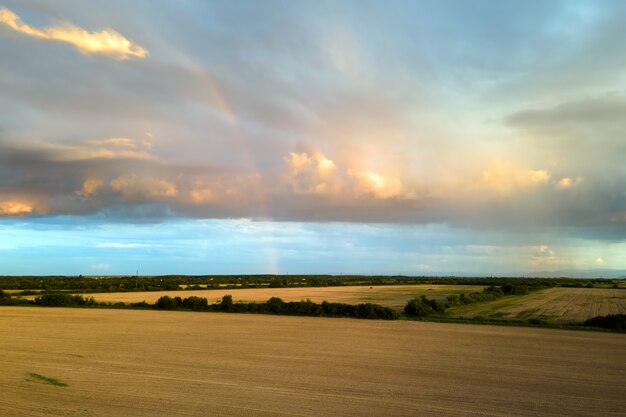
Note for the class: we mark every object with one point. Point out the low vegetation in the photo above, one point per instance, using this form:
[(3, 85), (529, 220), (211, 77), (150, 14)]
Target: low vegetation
[(516, 302), (559, 306), (615, 322), (33, 285), (274, 305), (423, 307), (47, 380), (64, 300)]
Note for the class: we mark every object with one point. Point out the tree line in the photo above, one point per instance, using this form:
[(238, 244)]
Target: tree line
[(417, 308), (422, 307), (32, 285), (274, 305)]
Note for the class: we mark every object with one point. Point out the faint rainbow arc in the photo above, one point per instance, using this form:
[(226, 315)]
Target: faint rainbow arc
[(220, 101)]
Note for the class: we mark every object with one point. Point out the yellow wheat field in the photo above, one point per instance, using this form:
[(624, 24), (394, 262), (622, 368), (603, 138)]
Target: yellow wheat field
[(161, 363), (394, 296), (560, 305)]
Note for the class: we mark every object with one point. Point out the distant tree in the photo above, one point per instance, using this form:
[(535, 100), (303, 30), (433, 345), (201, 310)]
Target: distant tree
[(423, 307), (492, 289), (275, 305), (227, 303), (166, 303), (195, 303), (64, 300)]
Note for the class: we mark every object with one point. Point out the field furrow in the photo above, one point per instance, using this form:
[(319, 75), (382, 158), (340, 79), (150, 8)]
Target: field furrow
[(561, 305), (159, 363)]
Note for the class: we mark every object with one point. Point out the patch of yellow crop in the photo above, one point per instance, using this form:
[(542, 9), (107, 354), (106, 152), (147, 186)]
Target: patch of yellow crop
[(394, 296), (559, 305)]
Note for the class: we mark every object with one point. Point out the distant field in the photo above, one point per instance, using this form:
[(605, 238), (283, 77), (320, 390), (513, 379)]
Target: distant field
[(102, 362), (559, 305), (394, 296)]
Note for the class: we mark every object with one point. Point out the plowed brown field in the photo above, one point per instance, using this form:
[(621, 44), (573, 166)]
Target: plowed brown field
[(158, 363)]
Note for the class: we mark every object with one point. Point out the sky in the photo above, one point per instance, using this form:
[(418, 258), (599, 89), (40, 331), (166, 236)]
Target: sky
[(479, 137)]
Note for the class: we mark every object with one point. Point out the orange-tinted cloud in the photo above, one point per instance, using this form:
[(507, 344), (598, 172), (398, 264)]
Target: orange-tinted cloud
[(378, 185), (567, 182), (15, 208), (504, 177), (134, 188), (201, 195), (113, 148), (117, 142), (311, 173), (314, 173), (106, 42), (90, 186)]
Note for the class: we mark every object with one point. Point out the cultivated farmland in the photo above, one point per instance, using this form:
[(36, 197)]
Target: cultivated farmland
[(558, 305), (394, 296), (101, 362)]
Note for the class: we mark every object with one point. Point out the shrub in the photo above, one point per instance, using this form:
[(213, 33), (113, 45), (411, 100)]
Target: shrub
[(510, 289), (612, 321), (195, 303), (275, 305), (227, 303), (64, 300), (423, 307), (12, 301), (167, 303), (141, 304)]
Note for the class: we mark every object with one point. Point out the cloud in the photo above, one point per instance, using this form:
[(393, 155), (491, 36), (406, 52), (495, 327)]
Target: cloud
[(15, 208), (311, 173), (134, 188), (378, 185), (601, 110), (201, 195), (504, 176), (396, 131), (90, 187), (118, 142), (567, 182), (106, 42), (308, 186), (114, 148), (619, 217)]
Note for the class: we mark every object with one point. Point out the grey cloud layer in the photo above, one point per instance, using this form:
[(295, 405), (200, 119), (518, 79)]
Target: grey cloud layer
[(489, 114)]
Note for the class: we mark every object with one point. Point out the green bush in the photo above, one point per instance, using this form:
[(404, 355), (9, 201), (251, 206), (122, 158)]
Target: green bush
[(195, 303), (168, 303), (227, 303), (612, 321), (64, 300), (423, 307)]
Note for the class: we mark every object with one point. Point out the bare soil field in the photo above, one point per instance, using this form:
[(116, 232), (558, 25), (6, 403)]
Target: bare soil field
[(99, 362), (559, 305), (394, 296)]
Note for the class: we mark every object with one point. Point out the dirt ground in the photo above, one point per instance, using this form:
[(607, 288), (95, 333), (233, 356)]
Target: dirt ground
[(559, 305), (394, 296), (158, 363)]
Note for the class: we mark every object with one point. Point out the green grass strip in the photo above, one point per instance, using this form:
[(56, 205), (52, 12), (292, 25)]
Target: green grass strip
[(45, 379)]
